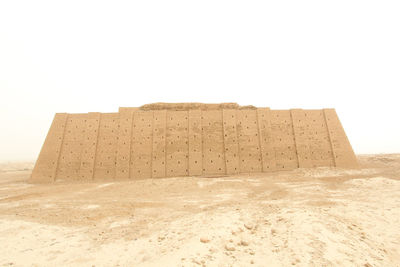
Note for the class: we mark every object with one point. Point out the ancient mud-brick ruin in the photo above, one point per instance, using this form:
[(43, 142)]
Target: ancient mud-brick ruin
[(190, 139)]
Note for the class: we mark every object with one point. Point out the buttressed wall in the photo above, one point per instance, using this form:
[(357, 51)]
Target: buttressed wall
[(190, 139)]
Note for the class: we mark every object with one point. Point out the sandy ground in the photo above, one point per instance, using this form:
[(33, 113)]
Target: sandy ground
[(305, 217)]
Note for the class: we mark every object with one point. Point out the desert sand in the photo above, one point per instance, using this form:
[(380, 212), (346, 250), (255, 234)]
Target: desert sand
[(304, 217)]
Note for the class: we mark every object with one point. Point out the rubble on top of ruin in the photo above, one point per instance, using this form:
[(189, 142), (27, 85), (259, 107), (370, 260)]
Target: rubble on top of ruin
[(189, 106)]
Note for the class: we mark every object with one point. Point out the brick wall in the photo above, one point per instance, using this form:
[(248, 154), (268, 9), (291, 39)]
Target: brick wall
[(138, 144)]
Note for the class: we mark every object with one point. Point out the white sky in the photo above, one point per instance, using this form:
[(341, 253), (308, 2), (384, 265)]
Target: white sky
[(81, 56)]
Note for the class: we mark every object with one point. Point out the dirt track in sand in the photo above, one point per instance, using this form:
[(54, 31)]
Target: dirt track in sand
[(303, 217)]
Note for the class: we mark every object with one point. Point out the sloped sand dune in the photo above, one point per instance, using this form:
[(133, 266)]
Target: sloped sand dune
[(317, 217)]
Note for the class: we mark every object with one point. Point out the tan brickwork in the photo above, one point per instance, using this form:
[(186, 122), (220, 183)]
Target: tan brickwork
[(195, 143), (70, 158), (90, 138), (158, 165), (249, 141), (231, 142), (177, 155), (319, 141), (124, 143), (343, 154), (266, 141), (142, 145), (47, 163), (107, 143), (283, 140), (163, 140), (213, 142)]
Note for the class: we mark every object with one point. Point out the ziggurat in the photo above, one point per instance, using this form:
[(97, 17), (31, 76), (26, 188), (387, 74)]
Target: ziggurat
[(190, 139)]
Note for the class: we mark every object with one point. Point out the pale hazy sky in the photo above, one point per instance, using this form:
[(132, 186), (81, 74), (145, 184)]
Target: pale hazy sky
[(82, 56)]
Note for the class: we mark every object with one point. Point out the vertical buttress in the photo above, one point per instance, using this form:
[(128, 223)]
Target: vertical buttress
[(195, 143), (231, 141), (124, 143), (89, 143), (159, 143), (301, 134), (266, 140)]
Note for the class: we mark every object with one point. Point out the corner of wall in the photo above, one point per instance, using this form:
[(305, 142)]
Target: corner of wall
[(46, 165), (343, 153)]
